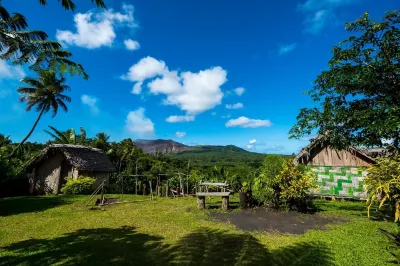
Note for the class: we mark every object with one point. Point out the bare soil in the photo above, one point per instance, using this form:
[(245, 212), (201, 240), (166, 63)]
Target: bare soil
[(264, 219)]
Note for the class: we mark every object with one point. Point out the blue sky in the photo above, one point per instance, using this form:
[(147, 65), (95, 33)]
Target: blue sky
[(199, 71)]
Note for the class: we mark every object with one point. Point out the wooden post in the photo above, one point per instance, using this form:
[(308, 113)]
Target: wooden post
[(201, 202), (166, 191), (225, 203), (151, 191), (136, 185)]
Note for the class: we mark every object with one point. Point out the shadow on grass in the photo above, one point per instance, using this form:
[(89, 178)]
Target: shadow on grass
[(18, 205), (125, 246)]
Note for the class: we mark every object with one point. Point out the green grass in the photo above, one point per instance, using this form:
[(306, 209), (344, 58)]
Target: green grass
[(61, 230)]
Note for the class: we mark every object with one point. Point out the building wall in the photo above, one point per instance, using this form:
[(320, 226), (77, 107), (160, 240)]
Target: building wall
[(48, 174), (326, 156), (344, 181), (99, 176)]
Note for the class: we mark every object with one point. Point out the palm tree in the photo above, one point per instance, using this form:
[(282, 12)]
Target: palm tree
[(22, 46), (68, 137), (70, 5), (44, 94), (4, 140)]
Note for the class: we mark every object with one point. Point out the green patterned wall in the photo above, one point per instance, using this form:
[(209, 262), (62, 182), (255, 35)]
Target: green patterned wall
[(340, 181)]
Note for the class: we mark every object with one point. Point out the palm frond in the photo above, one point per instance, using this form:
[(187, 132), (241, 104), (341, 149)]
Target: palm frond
[(60, 135)]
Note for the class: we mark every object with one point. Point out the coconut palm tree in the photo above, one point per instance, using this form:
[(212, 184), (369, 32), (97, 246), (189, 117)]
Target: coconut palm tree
[(68, 137), (19, 45), (45, 94), (70, 5)]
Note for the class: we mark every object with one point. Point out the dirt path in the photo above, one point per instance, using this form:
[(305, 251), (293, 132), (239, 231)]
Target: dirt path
[(263, 219)]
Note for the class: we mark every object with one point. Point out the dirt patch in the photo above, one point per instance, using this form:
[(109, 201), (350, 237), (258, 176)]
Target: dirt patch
[(263, 219)]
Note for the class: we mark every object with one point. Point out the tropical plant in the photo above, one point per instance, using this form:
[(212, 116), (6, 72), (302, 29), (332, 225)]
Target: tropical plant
[(294, 187), (265, 187), (68, 137), (359, 94), (45, 93), (4, 140), (81, 185), (101, 141), (383, 184)]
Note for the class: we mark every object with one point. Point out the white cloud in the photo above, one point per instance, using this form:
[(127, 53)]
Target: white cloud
[(191, 92), (284, 49), (248, 123), (253, 141), (10, 72), (91, 102), (146, 68), (226, 116), (180, 118), (180, 134), (320, 13), (234, 106), (250, 147), (131, 45), (138, 124), (239, 91), (137, 88), (94, 30)]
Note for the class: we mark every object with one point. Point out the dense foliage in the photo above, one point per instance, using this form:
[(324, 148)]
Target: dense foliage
[(283, 185), (359, 94), (383, 184), (79, 186)]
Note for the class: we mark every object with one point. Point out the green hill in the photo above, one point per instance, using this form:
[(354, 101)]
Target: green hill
[(224, 155)]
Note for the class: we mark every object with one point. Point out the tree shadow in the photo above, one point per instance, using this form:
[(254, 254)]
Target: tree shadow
[(217, 247), (13, 206), (103, 246), (125, 246)]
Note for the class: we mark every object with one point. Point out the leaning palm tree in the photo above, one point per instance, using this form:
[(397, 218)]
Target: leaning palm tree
[(45, 94)]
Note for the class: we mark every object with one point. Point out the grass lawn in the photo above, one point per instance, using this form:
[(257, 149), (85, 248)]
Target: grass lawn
[(61, 230)]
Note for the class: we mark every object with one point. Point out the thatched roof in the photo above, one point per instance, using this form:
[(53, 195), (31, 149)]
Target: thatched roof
[(82, 157), (320, 141)]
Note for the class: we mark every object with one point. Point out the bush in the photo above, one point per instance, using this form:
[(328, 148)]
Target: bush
[(294, 185), (283, 185), (383, 184), (265, 185), (82, 185)]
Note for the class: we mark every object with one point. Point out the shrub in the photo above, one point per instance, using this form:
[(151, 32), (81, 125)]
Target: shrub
[(294, 186), (283, 185), (82, 185), (265, 186), (383, 184)]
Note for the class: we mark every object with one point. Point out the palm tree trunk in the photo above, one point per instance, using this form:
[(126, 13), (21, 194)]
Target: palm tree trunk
[(30, 132)]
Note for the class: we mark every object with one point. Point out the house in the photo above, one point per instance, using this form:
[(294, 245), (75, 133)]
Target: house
[(59, 161), (340, 173)]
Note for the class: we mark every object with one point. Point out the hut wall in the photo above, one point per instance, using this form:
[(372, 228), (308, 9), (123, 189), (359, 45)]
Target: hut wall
[(326, 156), (99, 176), (48, 174), (345, 181)]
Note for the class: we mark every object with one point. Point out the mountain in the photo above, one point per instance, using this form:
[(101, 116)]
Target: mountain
[(201, 155), (227, 155), (161, 145)]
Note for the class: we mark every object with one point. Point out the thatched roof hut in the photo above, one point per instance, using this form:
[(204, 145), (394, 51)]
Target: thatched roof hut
[(59, 161), (320, 153)]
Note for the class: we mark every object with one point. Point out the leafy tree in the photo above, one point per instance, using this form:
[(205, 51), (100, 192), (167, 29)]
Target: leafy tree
[(45, 94), (101, 141), (359, 95)]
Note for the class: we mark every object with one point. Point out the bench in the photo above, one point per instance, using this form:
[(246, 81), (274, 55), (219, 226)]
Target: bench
[(201, 199)]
